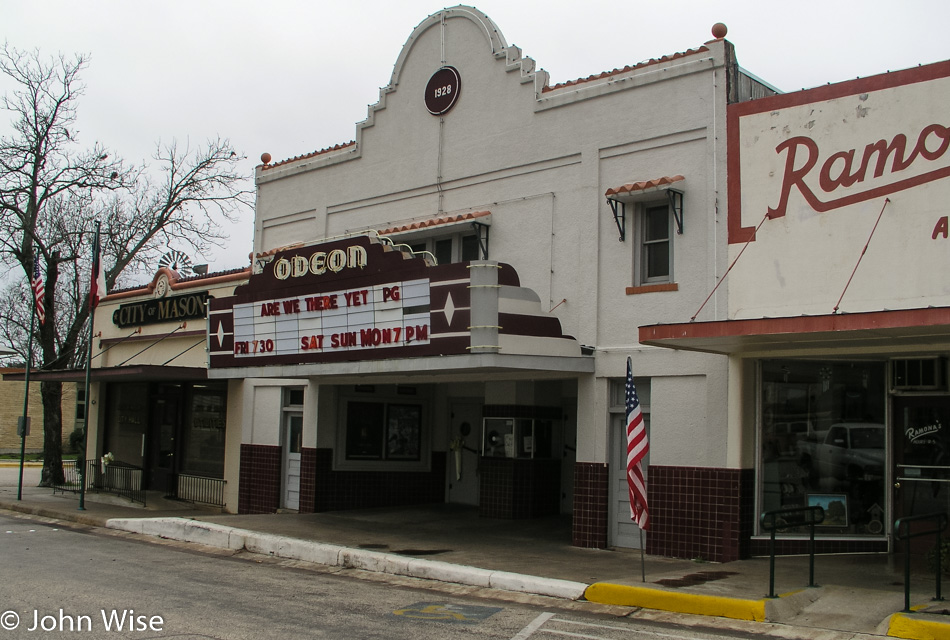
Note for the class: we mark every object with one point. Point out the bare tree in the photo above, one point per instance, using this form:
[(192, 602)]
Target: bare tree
[(51, 194)]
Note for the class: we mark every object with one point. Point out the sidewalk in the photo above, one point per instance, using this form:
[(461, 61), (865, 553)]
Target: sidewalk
[(861, 594)]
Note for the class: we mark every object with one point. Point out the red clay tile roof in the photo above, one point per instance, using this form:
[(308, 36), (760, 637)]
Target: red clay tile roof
[(335, 147), (176, 280), (643, 185), (628, 68), (432, 222)]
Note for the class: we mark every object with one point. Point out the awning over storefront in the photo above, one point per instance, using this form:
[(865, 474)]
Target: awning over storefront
[(143, 372), (905, 330)]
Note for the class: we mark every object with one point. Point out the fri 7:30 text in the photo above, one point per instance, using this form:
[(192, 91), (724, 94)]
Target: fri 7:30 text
[(245, 347)]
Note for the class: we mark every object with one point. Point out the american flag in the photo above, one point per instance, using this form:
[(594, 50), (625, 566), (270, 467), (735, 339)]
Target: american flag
[(637, 448), (39, 291)]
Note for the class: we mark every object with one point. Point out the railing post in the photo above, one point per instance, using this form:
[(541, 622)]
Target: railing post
[(906, 572), (940, 519), (772, 561), (792, 517), (811, 554), (939, 570)]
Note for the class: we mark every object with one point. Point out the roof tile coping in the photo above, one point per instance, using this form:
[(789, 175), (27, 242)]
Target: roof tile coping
[(307, 156), (626, 69), (177, 282), (433, 222), (643, 185)]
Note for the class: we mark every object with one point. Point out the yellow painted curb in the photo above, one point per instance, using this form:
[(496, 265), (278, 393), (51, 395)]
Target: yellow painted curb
[(624, 595), (915, 628)]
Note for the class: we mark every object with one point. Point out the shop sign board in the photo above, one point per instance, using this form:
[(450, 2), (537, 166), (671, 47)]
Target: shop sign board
[(170, 309), (815, 175)]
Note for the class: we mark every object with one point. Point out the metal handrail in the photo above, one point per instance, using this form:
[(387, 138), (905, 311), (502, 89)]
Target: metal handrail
[(940, 520), (792, 517)]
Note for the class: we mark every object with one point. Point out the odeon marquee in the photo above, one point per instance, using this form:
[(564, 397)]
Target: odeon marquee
[(343, 300)]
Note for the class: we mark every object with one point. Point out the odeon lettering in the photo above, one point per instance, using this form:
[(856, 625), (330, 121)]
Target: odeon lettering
[(846, 168), (353, 257)]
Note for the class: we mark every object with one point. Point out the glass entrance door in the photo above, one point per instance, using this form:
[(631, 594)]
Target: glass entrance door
[(163, 446), (921, 457)]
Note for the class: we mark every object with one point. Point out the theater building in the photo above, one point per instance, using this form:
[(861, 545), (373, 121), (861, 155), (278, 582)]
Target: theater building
[(440, 311), (838, 312)]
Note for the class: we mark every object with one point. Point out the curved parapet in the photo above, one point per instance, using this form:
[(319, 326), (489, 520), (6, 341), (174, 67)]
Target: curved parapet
[(498, 47)]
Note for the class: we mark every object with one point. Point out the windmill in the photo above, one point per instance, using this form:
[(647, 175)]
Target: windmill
[(177, 261)]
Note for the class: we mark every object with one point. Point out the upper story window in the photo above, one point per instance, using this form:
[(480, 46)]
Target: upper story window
[(655, 244), (457, 247), (449, 238), (655, 209)]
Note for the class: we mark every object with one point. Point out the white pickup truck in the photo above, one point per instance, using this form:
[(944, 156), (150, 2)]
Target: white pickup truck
[(846, 451)]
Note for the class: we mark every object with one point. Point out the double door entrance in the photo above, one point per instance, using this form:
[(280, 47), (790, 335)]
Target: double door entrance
[(165, 430)]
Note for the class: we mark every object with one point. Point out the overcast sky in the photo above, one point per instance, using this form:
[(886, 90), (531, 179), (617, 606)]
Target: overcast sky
[(289, 77)]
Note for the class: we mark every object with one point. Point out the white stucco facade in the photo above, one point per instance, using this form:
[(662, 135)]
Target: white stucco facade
[(540, 180)]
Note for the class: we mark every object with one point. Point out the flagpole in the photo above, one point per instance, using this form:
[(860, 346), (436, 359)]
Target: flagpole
[(26, 396), (85, 428), (643, 562), (637, 447)]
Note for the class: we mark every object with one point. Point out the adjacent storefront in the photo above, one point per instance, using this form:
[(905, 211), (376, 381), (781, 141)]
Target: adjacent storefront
[(839, 326), (155, 413)]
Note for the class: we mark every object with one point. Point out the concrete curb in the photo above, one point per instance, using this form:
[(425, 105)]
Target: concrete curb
[(914, 627), (225, 537), (676, 602)]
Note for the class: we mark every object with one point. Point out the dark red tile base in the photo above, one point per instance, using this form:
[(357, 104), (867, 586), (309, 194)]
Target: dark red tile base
[(339, 490), (591, 484), (700, 512), (514, 489), (259, 478), (308, 479)]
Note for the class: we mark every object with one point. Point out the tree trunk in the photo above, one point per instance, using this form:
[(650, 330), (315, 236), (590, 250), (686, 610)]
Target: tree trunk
[(52, 394)]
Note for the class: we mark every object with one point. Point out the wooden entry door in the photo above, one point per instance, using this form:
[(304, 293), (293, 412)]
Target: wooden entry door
[(293, 439)]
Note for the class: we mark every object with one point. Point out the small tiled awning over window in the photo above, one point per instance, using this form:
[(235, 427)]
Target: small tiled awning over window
[(482, 217), (619, 197)]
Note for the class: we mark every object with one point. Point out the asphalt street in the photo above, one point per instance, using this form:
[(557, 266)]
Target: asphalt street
[(62, 580)]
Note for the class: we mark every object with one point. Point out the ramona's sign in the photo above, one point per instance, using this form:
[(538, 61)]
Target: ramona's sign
[(828, 148), (865, 168)]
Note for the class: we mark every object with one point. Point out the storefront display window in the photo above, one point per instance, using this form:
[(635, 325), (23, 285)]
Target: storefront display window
[(823, 441), (127, 422), (380, 431), (203, 448)]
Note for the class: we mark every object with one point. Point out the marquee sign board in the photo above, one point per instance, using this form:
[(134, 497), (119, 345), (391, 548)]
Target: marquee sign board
[(358, 299), (350, 299)]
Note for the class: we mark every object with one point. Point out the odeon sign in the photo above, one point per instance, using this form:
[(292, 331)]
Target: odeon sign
[(320, 262)]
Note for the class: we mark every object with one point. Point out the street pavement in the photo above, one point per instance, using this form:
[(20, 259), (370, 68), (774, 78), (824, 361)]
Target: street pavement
[(858, 594)]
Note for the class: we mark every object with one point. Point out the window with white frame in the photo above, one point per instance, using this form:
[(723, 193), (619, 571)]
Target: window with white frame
[(654, 246)]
